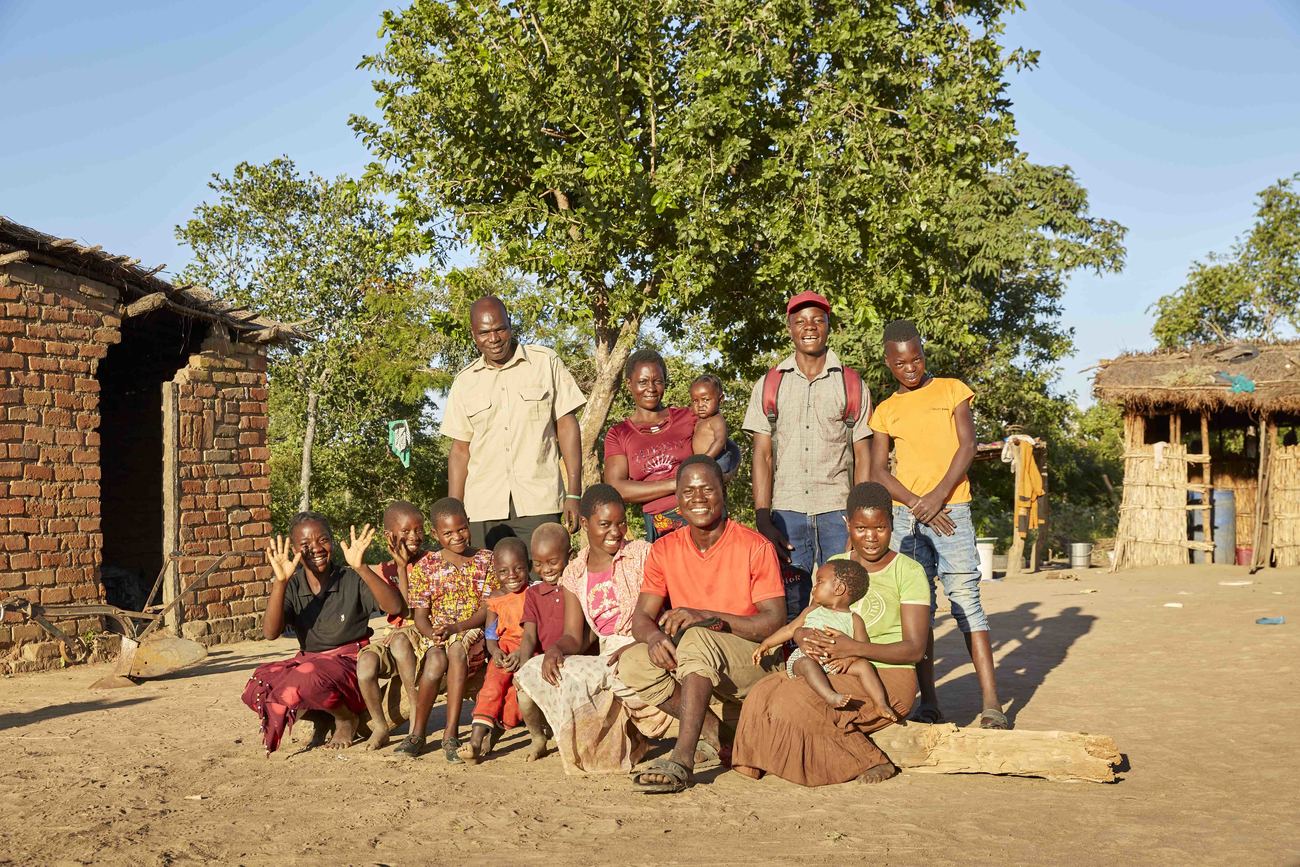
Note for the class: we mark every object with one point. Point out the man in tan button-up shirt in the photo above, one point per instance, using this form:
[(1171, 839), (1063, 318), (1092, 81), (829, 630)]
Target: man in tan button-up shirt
[(510, 416)]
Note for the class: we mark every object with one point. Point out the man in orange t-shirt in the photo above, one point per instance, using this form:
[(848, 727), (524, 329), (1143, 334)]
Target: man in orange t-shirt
[(726, 592)]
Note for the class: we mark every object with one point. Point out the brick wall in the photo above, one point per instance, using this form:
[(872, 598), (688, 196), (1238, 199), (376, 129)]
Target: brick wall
[(225, 489), (54, 330)]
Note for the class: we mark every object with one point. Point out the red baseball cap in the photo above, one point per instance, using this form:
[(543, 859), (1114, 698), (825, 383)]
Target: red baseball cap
[(806, 299)]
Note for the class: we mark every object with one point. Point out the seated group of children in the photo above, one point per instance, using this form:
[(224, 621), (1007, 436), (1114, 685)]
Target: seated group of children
[(469, 610)]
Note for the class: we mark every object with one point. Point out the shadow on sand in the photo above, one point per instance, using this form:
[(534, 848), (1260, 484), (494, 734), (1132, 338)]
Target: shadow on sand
[(1042, 643)]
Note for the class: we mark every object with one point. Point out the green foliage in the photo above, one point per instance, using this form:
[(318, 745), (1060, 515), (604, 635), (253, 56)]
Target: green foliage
[(690, 165), (1253, 292), (328, 254)]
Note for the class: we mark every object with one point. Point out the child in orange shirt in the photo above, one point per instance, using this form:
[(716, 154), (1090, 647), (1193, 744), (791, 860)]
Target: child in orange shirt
[(497, 707)]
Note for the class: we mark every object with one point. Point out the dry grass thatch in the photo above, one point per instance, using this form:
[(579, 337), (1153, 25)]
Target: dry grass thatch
[(142, 289), (1186, 379), (1285, 502)]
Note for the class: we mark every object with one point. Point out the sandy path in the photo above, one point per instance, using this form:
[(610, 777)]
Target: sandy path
[(1205, 704)]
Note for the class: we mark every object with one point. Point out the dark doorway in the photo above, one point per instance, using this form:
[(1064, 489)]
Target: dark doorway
[(153, 348)]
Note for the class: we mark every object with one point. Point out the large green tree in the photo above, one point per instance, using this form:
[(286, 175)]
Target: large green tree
[(330, 256), (1251, 292), (684, 166)]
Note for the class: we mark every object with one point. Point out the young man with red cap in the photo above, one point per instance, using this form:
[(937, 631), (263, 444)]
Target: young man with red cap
[(808, 418)]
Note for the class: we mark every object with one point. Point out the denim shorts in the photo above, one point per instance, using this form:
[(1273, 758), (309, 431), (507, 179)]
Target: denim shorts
[(952, 559)]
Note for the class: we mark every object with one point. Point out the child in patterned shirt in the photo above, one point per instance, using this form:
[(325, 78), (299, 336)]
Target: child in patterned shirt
[(448, 589)]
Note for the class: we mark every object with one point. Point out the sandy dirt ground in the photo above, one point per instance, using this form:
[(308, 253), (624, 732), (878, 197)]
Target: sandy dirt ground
[(1204, 703)]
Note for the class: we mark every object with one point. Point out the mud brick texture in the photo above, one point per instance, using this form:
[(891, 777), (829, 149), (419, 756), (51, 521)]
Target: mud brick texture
[(56, 327)]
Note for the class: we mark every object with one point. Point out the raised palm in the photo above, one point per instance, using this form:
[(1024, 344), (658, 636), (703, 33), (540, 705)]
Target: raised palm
[(354, 551), (277, 554)]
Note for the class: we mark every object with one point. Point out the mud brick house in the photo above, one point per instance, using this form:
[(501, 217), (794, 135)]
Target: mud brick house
[(133, 421)]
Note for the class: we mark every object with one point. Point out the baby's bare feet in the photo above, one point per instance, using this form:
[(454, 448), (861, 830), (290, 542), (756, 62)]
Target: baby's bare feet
[(837, 699)]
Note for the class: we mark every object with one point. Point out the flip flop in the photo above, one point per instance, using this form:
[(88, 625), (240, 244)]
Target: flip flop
[(679, 778), (926, 713), (993, 718)]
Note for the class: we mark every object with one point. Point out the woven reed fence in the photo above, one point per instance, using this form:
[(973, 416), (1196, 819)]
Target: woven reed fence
[(1153, 515), (1285, 501)]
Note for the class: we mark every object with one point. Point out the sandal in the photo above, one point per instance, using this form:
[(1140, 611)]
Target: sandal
[(994, 718), (679, 778), (926, 713), (707, 755), (451, 750), (410, 747)]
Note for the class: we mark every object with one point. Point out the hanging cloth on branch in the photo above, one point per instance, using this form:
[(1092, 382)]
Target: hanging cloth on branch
[(1019, 452), (399, 441)]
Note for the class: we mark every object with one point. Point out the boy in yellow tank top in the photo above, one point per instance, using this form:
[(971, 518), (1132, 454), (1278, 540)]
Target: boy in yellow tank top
[(928, 421)]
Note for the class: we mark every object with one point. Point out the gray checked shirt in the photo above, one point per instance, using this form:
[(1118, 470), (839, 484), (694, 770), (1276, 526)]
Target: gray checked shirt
[(811, 449)]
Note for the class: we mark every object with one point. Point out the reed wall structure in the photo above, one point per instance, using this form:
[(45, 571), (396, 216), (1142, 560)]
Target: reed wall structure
[(1203, 419)]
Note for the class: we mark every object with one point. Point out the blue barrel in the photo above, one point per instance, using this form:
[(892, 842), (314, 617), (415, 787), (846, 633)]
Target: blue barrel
[(1223, 517), (1223, 514)]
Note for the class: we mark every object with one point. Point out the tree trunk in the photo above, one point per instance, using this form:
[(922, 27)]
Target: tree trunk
[(308, 438), (613, 346)]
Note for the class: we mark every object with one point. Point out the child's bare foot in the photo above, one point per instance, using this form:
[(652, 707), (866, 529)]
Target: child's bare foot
[(837, 700), (879, 773), (344, 731), (321, 726), (378, 736), (470, 753), (536, 749), (886, 712)]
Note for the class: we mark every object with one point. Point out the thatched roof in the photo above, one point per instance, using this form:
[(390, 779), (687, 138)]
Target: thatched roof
[(142, 290), (1195, 378)]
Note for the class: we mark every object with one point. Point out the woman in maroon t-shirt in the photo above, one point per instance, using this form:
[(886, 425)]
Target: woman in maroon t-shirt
[(642, 451)]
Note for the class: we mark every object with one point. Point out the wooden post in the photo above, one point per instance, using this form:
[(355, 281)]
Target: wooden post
[(1263, 541), (1040, 534), (1016, 556), (171, 496), (1207, 520)]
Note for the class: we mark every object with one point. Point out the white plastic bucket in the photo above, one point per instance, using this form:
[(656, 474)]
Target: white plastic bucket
[(984, 547), (1080, 555)]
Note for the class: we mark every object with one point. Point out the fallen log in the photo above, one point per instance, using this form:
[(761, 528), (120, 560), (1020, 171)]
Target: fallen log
[(947, 749)]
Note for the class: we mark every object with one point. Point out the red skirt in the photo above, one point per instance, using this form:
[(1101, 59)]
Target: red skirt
[(278, 691)]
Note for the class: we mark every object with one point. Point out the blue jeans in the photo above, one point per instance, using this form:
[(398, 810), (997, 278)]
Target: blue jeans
[(815, 539), (952, 559)]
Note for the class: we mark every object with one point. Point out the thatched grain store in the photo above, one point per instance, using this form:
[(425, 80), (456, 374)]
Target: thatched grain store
[(1201, 419), (133, 423)]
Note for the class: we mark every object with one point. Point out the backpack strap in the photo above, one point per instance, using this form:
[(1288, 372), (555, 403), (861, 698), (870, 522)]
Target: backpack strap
[(852, 381), (771, 385)]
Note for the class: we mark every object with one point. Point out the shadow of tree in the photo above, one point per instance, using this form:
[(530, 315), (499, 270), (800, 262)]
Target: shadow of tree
[(55, 711), (1041, 644)]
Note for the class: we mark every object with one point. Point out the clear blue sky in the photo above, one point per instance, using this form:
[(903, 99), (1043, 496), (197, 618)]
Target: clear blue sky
[(1173, 115)]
